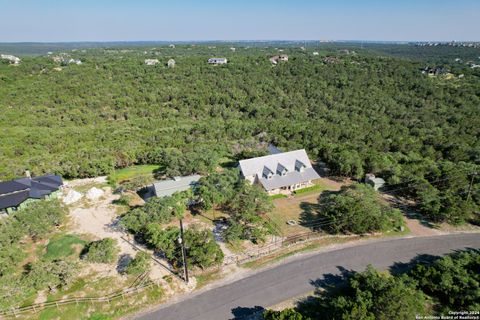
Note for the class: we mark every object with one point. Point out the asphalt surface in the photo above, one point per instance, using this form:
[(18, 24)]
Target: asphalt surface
[(238, 299)]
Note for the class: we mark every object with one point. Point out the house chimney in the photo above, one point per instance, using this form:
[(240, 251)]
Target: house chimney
[(27, 174)]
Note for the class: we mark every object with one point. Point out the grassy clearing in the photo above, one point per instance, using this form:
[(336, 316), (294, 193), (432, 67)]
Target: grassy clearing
[(87, 186), (293, 208), (62, 246), (315, 189), (101, 311), (278, 196), (125, 174)]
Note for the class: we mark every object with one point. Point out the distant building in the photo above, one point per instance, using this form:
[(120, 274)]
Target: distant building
[(172, 46), (276, 59), (171, 63), (10, 58), (217, 61), (376, 183), (315, 53), (75, 61), (151, 62), (233, 49), (17, 193), (166, 188), (435, 71), (279, 172)]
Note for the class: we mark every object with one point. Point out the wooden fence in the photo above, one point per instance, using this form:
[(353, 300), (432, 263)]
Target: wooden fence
[(138, 286)]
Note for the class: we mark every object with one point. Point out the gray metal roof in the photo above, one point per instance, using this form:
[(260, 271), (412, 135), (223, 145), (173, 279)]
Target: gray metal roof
[(296, 163), (13, 193), (289, 179), (255, 166), (166, 188), (273, 149)]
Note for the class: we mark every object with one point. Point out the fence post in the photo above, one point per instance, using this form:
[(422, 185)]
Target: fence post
[(14, 313), (56, 303), (34, 310)]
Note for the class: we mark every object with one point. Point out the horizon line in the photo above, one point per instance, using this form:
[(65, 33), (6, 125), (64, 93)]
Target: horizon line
[(240, 40)]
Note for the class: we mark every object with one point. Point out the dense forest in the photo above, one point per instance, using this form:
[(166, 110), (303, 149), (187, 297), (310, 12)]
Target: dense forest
[(365, 109)]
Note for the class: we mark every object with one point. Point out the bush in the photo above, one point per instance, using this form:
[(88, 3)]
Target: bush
[(371, 295), (40, 217), (286, 314), (140, 264), (156, 210), (51, 274), (202, 249), (102, 251), (358, 209), (454, 280)]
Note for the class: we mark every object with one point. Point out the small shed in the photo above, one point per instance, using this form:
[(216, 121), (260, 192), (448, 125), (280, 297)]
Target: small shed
[(166, 188), (171, 63)]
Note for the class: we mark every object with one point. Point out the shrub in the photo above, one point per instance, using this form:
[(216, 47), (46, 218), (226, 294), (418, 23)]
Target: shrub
[(140, 264), (358, 209), (202, 249), (102, 251)]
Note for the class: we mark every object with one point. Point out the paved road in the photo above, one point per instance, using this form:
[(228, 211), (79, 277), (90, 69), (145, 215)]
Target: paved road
[(294, 278)]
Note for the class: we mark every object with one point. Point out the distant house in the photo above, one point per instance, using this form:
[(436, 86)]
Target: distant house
[(315, 53), (151, 62), (10, 58), (435, 71), (376, 183), (171, 63), (276, 59), (166, 188), (17, 193), (279, 172), (217, 61)]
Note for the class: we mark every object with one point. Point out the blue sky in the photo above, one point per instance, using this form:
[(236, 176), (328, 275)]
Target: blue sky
[(122, 20)]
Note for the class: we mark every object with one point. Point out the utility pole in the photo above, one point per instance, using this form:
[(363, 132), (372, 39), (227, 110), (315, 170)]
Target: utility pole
[(470, 186), (181, 240)]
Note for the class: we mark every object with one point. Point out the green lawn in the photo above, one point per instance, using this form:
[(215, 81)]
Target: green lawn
[(63, 246), (292, 208), (125, 174), (312, 189)]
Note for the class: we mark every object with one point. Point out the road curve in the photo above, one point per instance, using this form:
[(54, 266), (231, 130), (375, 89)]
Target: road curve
[(295, 278)]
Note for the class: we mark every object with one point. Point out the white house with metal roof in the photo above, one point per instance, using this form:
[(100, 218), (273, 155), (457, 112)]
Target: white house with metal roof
[(280, 172), (166, 188)]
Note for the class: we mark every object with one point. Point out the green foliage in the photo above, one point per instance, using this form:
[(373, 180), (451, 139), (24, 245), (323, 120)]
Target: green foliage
[(137, 183), (40, 217), (51, 274), (357, 209), (102, 251), (286, 314), (202, 249), (364, 113), (156, 210), (246, 210), (140, 264), (454, 280), (217, 189), (36, 221), (372, 295)]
